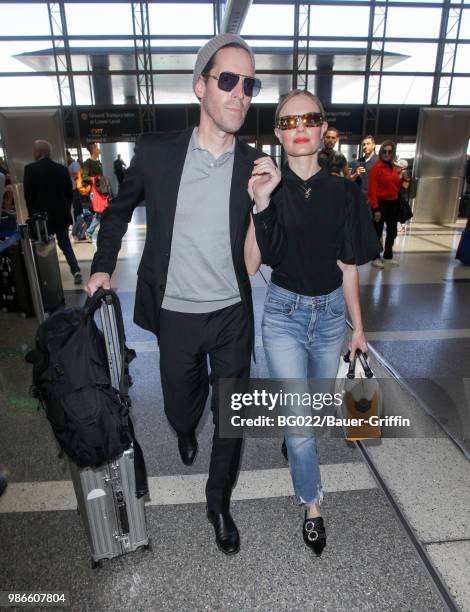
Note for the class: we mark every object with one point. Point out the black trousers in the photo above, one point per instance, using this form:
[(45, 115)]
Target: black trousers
[(77, 204), (186, 343), (65, 246), (389, 210)]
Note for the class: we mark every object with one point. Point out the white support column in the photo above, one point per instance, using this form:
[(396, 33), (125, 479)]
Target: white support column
[(108, 155)]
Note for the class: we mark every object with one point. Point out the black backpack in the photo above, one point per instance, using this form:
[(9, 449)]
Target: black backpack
[(71, 379)]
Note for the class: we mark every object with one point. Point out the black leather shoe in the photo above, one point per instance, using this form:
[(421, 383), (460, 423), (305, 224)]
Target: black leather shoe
[(187, 446), (314, 534), (226, 532)]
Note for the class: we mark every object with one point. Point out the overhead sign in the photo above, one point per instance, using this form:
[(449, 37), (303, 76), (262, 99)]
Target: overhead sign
[(108, 125), (345, 120), (122, 123)]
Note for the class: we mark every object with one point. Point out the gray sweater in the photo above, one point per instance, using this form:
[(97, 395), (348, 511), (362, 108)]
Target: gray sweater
[(201, 276)]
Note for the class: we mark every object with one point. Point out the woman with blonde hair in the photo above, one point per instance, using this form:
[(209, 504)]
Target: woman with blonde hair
[(313, 229)]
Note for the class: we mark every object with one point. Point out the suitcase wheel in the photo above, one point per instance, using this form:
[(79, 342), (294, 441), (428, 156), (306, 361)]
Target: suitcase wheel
[(350, 444), (148, 546), (95, 564)]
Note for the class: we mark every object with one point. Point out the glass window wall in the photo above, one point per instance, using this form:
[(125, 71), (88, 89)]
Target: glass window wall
[(465, 24), (339, 21), (342, 59), (413, 22), (23, 56), (99, 18), (460, 91), (410, 57), (269, 20), (181, 19), (406, 90), (28, 91), (462, 63), (347, 89), (24, 20)]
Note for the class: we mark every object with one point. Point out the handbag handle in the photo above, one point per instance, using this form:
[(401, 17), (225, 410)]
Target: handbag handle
[(352, 364), (365, 366)]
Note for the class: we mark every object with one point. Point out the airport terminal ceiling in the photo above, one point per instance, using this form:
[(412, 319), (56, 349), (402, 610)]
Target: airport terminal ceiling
[(174, 65), (373, 56)]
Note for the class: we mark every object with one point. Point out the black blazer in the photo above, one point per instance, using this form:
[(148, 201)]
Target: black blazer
[(154, 176), (48, 188)]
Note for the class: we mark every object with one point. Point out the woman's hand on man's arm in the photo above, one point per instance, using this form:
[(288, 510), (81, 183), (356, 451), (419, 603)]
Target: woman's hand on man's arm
[(265, 177)]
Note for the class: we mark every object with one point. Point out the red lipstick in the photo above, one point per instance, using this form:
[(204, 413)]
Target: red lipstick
[(301, 140)]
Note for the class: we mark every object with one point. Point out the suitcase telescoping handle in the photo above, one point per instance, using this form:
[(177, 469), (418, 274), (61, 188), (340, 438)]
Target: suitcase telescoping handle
[(113, 330), (114, 347), (107, 299), (38, 227)]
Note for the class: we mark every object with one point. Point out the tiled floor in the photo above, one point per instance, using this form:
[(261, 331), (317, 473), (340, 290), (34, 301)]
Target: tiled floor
[(418, 319)]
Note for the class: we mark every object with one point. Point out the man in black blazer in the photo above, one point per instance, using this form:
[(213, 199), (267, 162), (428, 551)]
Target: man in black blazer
[(193, 289), (48, 188)]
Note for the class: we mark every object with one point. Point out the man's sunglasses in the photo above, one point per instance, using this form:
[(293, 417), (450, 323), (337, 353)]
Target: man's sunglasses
[(227, 81), (289, 122)]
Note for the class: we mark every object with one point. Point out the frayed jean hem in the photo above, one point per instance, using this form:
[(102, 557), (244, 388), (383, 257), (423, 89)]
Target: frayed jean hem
[(318, 499)]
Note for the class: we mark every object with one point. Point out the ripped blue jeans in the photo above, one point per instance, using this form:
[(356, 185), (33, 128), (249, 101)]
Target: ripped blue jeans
[(302, 338)]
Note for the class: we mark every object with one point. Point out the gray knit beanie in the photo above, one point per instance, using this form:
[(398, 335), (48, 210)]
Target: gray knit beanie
[(206, 52)]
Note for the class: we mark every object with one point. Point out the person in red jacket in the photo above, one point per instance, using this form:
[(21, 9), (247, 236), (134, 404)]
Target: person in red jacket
[(385, 181)]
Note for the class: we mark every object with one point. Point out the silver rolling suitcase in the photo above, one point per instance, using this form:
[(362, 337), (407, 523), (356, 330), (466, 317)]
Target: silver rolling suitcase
[(113, 515)]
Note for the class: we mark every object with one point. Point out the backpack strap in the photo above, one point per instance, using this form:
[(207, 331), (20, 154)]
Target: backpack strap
[(140, 470)]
